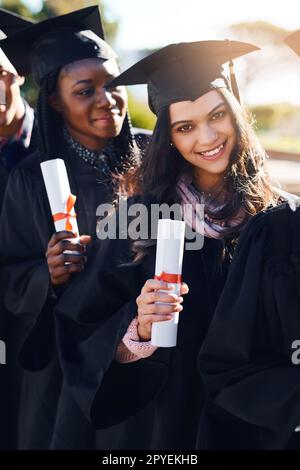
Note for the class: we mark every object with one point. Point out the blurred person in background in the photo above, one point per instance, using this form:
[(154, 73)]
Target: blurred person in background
[(17, 141)]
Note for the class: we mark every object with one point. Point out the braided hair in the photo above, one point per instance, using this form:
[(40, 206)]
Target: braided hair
[(49, 121)]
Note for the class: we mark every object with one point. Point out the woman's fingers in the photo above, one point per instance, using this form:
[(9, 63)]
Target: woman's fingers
[(154, 284), (155, 306), (85, 239), (149, 319), (62, 246), (184, 289), (59, 242), (152, 297), (60, 260), (58, 236), (65, 257), (65, 269), (164, 309)]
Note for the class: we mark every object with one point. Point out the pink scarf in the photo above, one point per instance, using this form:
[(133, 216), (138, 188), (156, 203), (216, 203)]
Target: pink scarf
[(212, 226)]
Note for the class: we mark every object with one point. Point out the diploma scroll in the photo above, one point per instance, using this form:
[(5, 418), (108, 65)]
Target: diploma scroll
[(168, 268), (60, 198)]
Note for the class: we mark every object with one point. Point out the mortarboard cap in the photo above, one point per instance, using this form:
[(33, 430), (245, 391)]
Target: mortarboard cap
[(293, 41), (55, 42), (10, 23), (183, 71)]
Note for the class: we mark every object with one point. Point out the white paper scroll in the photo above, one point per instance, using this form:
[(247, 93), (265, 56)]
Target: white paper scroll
[(168, 267), (59, 195)]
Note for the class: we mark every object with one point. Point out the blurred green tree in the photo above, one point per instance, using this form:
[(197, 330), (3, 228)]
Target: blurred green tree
[(17, 6), (280, 119), (266, 116), (53, 7), (140, 114), (59, 7), (274, 116)]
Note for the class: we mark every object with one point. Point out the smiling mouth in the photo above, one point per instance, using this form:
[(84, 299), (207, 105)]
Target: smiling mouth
[(213, 152), (106, 118)]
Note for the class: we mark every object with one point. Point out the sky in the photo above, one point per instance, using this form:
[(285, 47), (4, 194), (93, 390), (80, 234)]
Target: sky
[(154, 23), (159, 22), (150, 24)]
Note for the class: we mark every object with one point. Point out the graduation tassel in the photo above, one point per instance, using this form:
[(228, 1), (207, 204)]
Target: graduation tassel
[(233, 82)]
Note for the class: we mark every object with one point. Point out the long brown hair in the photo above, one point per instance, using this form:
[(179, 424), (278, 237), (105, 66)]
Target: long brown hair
[(247, 177)]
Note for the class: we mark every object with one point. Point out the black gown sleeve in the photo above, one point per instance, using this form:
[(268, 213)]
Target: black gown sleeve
[(89, 329), (24, 276), (246, 357)]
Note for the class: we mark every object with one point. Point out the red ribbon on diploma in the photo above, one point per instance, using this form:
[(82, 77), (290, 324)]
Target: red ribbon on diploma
[(167, 277), (68, 214)]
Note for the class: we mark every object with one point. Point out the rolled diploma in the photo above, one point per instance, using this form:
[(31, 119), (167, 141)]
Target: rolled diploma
[(58, 191), (169, 256)]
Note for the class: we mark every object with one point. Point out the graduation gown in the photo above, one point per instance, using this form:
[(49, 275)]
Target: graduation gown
[(246, 359), (26, 228), (16, 149), (153, 403), (12, 152)]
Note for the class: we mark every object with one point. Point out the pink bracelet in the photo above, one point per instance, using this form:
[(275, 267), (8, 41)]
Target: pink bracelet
[(131, 347)]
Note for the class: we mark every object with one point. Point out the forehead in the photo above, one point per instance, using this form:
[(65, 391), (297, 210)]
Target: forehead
[(86, 67), (185, 110)]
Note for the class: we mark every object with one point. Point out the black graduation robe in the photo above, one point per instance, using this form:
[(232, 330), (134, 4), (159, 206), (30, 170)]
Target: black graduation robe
[(26, 228), (11, 373), (246, 359), (15, 150), (156, 402)]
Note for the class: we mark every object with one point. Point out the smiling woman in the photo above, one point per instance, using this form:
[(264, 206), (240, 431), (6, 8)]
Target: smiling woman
[(204, 134), (203, 151), (91, 114)]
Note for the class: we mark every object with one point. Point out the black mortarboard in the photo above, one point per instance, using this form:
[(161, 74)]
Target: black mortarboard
[(293, 41), (55, 42), (10, 23), (184, 71)]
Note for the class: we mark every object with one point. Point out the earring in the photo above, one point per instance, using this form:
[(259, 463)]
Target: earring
[(171, 144)]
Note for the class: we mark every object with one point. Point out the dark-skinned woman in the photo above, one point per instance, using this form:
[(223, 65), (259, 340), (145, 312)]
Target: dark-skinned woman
[(88, 127)]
